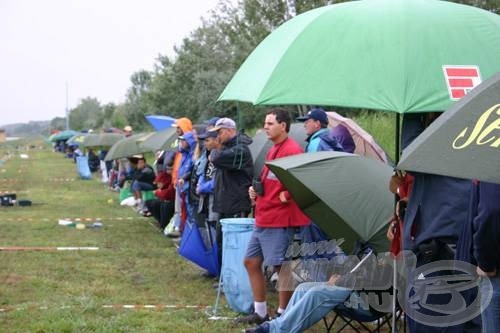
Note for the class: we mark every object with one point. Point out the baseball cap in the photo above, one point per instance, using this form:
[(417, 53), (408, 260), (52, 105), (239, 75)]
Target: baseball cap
[(212, 121), (223, 123), (207, 134), (127, 128), (317, 114)]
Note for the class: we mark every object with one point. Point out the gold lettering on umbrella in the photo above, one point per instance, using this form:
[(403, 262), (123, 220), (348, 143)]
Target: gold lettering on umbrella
[(482, 133)]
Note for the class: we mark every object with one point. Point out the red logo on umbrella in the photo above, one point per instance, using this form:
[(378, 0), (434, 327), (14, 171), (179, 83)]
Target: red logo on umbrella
[(461, 79)]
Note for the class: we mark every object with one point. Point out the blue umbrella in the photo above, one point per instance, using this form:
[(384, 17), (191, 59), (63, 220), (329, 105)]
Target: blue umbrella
[(160, 122)]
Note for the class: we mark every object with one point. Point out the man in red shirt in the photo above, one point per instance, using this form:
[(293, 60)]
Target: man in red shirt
[(277, 219)]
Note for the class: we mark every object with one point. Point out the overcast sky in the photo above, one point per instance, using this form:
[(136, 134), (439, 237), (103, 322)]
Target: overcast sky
[(92, 45)]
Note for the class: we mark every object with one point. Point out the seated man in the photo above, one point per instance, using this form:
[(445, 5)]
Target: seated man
[(142, 180), (162, 208), (311, 301)]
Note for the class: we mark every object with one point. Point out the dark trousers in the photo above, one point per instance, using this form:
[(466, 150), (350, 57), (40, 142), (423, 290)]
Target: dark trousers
[(161, 210), (430, 253)]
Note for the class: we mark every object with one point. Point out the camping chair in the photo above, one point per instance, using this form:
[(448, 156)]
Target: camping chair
[(375, 321), (362, 321)]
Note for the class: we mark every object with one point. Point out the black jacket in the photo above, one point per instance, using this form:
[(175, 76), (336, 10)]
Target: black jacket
[(233, 176), (145, 175)]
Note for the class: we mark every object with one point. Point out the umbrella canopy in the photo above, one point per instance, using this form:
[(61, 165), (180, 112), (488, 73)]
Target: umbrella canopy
[(62, 136), (77, 139), (126, 147), (364, 142), (464, 141), (346, 195), (162, 140), (160, 122), (101, 139), (403, 56)]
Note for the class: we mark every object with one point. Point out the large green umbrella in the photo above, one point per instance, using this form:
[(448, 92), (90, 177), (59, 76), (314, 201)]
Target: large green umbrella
[(346, 195), (102, 139), (162, 140), (464, 141), (126, 147), (376, 54)]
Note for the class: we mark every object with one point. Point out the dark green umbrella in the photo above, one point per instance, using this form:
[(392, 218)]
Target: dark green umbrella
[(77, 139), (126, 147), (102, 139), (346, 195), (162, 140), (464, 141)]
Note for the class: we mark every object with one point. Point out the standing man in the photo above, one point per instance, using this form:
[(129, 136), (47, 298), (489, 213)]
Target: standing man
[(318, 138), (436, 213), (277, 218), (234, 164), (233, 176)]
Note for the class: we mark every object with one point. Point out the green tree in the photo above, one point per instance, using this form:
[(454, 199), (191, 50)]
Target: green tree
[(86, 115)]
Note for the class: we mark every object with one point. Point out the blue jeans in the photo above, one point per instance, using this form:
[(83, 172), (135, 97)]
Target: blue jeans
[(491, 315), (310, 302), (141, 186)]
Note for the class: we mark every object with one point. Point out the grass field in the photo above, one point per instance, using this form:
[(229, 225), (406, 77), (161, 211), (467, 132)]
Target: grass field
[(68, 291)]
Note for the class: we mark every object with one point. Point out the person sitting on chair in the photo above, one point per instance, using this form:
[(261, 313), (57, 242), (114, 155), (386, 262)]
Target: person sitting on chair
[(312, 301)]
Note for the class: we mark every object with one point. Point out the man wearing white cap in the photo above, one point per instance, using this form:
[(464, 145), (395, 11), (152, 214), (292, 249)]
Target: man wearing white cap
[(234, 173)]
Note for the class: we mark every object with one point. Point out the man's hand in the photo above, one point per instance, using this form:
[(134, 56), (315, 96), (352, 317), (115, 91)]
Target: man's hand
[(333, 280), (480, 272), (282, 197), (180, 182), (394, 182), (252, 194)]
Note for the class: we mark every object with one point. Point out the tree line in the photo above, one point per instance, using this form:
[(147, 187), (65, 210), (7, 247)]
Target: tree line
[(190, 82)]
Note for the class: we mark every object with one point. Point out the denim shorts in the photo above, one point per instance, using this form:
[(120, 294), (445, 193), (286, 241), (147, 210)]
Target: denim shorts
[(270, 244)]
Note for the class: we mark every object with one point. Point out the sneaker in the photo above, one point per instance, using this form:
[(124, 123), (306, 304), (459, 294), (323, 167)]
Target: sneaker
[(262, 328), (252, 318), (174, 233)]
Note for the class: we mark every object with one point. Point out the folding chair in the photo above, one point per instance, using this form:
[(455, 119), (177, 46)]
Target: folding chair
[(373, 321)]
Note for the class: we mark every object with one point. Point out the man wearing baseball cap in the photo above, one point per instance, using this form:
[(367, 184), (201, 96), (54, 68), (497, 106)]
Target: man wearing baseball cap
[(234, 174), (318, 139)]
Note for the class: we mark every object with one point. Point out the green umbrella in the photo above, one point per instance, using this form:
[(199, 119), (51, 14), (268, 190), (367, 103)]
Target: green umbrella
[(464, 141), (377, 54), (102, 139), (162, 140), (126, 147), (346, 195), (62, 136), (77, 139)]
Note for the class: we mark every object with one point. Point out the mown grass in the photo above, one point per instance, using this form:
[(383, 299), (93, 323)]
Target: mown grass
[(65, 291), (135, 263)]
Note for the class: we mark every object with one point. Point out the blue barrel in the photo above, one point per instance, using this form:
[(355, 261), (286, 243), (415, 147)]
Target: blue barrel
[(237, 290)]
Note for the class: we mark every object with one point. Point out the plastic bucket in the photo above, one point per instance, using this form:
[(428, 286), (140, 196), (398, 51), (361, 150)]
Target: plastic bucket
[(237, 290)]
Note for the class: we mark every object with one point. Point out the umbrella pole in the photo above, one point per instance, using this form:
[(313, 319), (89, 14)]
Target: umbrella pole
[(397, 140), (394, 271)]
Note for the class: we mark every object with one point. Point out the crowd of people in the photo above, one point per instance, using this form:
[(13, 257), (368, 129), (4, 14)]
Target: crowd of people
[(209, 176)]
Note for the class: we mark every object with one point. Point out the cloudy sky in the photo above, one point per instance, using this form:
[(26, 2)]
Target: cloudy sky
[(90, 46)]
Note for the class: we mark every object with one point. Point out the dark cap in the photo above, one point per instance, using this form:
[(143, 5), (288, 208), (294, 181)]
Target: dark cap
[(317, 114), (212, 121), (207, 134)]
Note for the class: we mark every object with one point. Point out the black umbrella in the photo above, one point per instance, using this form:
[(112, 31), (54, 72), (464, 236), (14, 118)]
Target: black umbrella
[(464, 141)]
